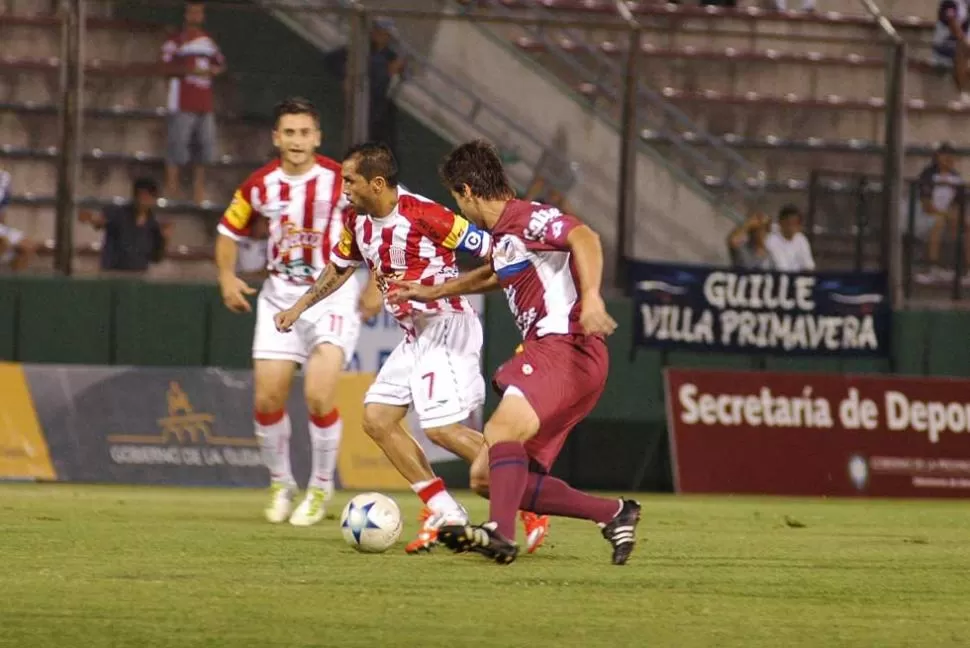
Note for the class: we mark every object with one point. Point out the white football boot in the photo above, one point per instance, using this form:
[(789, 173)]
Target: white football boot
[(280, 503), (313, 507)]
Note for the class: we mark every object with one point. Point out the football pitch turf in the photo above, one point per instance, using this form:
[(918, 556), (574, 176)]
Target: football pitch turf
[(110, 566)]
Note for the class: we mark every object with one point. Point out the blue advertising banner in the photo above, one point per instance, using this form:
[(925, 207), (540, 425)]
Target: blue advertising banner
[(704, 308)]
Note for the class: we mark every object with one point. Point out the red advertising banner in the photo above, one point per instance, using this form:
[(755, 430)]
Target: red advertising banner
[(818, 434)]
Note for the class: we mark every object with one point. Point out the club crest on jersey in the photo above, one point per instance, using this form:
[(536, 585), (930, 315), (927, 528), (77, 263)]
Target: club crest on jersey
[(509, 257), (294, 237)]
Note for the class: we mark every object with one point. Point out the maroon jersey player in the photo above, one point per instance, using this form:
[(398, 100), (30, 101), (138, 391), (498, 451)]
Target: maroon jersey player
[(550, 266)]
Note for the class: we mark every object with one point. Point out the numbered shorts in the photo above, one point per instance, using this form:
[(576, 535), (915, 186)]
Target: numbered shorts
[(439, 372), (336, 323), (562, 377)]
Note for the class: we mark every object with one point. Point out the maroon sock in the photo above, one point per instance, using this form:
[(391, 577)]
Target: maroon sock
[(508, 472), (547, 495)]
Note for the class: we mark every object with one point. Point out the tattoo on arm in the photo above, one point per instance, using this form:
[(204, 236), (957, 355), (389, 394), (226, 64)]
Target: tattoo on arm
[(330, 280)]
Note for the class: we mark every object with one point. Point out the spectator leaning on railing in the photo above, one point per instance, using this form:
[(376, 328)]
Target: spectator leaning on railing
[(746, 244), (940, 186), (133, 237)]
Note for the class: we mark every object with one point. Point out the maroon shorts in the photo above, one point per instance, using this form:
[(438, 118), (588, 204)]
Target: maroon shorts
[(562, 377)]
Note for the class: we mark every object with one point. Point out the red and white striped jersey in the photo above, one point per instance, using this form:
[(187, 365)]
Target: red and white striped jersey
[(415, 242), (305, 214)]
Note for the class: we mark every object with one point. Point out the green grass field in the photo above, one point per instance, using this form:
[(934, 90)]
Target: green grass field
[(100, 566)]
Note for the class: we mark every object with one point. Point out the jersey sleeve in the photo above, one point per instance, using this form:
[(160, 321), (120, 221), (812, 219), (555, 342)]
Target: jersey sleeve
[(346, 253), (239, 215), (551, 227), (453, 232)]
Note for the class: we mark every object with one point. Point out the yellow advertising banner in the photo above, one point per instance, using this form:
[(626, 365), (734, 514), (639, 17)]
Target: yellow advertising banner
[(362, 464), (23, 448)]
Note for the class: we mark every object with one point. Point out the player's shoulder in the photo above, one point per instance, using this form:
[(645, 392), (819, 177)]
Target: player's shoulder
[(329, 164), (419, 208), (259, 176)]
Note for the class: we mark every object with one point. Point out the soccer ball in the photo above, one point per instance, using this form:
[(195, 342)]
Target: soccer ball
[(371, 523)]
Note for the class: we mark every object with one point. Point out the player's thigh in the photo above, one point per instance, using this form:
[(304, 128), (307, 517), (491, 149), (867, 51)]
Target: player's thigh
[(205, 138), (270, 343), (320, 375), (179, 138), (447, 384), (271, 384), (392, 385), (513, 420), (334, 324)]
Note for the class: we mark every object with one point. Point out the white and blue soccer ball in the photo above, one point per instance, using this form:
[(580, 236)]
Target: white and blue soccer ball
[(371, 522)]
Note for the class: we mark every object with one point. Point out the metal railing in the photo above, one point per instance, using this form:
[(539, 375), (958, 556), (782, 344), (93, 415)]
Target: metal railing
[(896, 67), (742, 178)]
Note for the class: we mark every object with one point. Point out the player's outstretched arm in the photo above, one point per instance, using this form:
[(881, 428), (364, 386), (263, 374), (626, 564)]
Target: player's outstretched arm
[(587, 252), (233, 289), (330, 280), (480, 280)]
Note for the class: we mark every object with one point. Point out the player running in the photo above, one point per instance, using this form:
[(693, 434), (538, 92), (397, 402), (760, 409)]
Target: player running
[(400, 235), (300, 194), (550, 266)]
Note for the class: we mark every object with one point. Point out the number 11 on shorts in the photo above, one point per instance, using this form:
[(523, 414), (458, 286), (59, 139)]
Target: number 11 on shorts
[(430, 378)]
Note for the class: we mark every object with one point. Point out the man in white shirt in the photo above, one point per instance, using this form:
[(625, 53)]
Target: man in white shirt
[(950, 43), (788, 246)]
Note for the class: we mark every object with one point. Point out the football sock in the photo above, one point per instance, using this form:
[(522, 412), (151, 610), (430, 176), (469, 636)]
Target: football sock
[(273, 432), (508, 472), (547, 495), (436, 497), (325, 432)]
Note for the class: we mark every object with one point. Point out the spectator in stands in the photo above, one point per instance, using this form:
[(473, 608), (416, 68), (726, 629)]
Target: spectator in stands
[(746, 244), (950, 47), (192, 60), (15, 248), (789, 247), (384, 71), (133, 237), (940, 185)]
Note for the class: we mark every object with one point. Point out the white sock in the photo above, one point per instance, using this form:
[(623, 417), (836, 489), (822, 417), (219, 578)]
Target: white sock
[(273, 432), (325, 434), (433, 493)]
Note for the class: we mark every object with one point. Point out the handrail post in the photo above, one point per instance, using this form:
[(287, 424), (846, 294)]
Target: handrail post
[(70, 110)]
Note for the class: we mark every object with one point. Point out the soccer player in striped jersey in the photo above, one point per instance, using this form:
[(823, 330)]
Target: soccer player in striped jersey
[(404, 236), (301, 195)]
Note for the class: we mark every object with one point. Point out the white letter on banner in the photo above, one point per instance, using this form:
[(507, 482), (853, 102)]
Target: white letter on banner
[(804, 286), (686, 395), (897, 411), (714, 289), (651, 319)]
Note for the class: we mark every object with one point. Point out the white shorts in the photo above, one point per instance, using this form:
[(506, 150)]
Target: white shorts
[(332, 321), (440, 372)]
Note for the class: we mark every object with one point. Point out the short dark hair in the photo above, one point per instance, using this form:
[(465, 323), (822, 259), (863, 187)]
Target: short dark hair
[(145, 183), (374, 160), (478, 165), (294, 106), (787, 211)]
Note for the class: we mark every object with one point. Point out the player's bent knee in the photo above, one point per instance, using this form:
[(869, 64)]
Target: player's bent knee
[(439, 435), (500, 432), (265, 401), (376, 426), (319, 404), (478, 479)]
